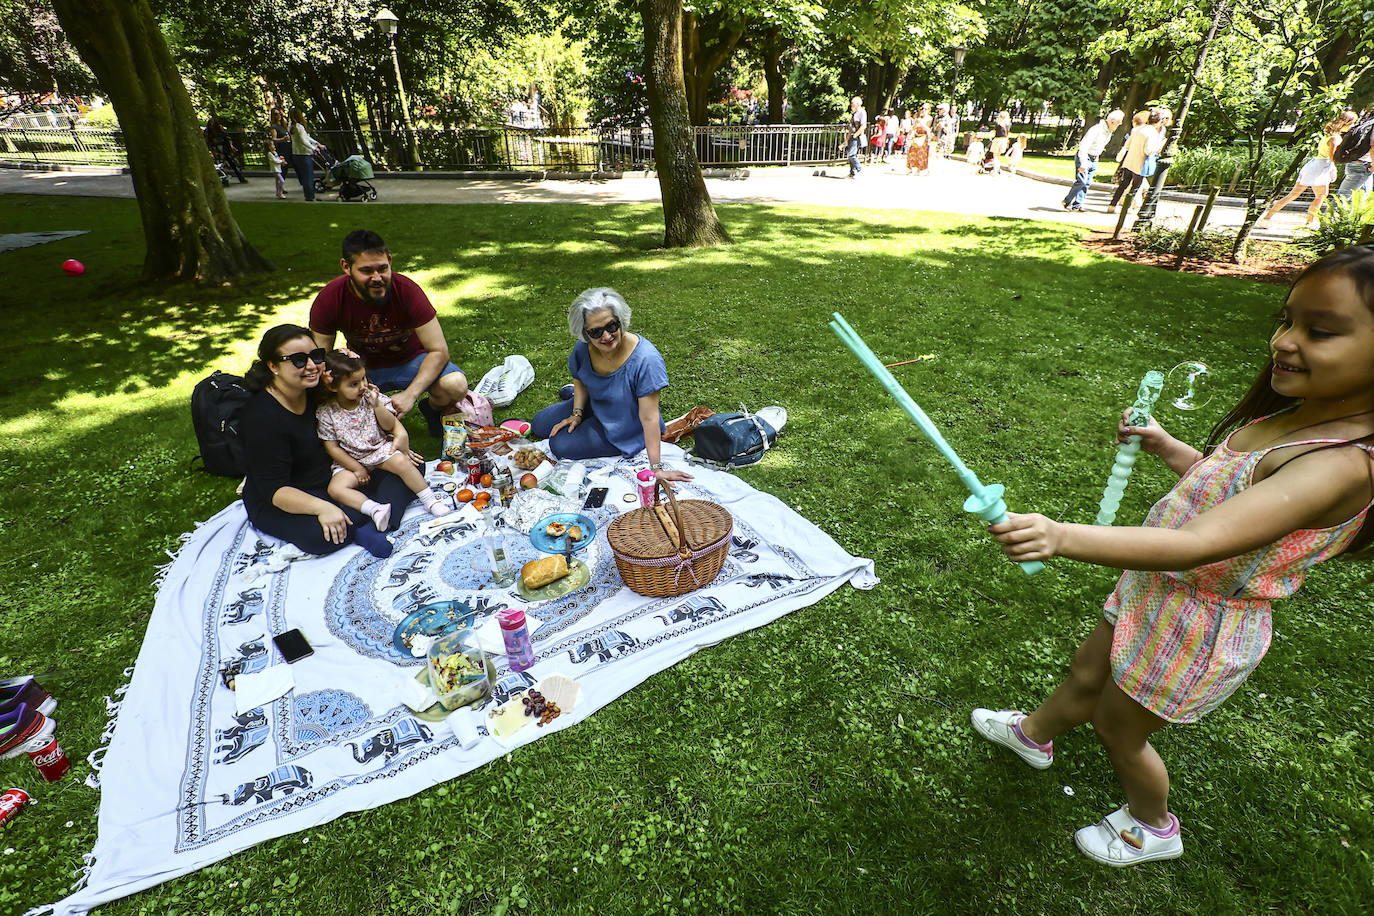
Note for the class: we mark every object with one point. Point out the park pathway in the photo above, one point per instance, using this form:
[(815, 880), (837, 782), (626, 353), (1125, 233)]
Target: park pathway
[(951, 187)]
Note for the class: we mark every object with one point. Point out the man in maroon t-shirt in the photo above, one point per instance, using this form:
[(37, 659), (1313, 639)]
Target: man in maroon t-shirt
[(387, 319)]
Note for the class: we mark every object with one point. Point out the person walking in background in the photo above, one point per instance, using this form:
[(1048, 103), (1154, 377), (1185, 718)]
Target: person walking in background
[(973, 149), (1145, 141), (918, 141), (858, 123), (1318, 172), (302, 148), (280, 135), (1001, 138), (275, 162), (1015, 153), (945, 129), (1359, 144), (891, 128), (1085, 160)]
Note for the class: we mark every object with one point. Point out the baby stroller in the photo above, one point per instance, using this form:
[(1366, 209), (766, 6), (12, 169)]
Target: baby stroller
[(350, 176)]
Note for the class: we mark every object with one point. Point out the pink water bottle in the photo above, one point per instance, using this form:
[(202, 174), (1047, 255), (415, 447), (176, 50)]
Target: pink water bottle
[(646, 486), (517, 638)]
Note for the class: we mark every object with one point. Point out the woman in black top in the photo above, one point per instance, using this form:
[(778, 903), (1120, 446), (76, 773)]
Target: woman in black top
[(285, 493)]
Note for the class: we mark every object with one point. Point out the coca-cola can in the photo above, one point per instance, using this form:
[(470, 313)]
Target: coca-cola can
[(10, 802), (474, 466), (48, 756)]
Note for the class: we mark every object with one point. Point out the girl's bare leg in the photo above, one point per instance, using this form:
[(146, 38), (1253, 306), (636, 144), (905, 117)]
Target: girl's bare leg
[(1284, 201), (343, 489), (1319, 192), (1074, 701), (404, 468), (1123, 726)]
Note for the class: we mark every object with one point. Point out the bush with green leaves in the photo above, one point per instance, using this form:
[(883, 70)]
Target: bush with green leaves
[(815, 92), (1207, 165), (1340, 224)]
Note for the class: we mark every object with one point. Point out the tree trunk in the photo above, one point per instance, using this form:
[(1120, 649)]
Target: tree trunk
[(771, 50), (1333, 58), (689, 218), (702, 56), (187, 226)]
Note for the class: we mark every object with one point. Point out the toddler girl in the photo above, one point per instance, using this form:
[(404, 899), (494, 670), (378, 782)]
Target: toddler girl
[(360, 432), (973, 151), (1286, 482), (275, 163), (1016, 153)]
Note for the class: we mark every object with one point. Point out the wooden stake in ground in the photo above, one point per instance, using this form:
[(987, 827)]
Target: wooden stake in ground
[(187, 226), (689, 218)]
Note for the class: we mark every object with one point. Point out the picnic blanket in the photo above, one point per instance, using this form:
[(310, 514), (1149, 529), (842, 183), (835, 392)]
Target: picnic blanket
[(187, 779)]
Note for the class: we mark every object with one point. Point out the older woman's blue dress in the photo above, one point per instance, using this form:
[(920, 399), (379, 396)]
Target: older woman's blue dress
[(610, 426)]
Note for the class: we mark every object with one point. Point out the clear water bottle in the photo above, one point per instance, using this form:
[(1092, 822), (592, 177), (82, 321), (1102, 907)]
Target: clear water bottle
[(501, 570)]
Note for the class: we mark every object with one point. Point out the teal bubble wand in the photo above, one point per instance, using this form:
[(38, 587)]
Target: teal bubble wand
[(1146, 395), (983, 501)]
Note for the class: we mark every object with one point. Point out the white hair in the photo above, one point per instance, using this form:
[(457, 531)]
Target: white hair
[(1118, 114), (594, 300)]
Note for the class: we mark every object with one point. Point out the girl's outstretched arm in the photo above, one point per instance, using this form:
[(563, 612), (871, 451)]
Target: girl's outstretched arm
[(1316, 490), (1178, 455)]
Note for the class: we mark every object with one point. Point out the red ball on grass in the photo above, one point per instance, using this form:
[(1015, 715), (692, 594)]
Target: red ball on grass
[(73, 267)]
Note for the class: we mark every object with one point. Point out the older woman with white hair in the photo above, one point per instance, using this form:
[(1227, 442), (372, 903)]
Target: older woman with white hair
[(617, 377)]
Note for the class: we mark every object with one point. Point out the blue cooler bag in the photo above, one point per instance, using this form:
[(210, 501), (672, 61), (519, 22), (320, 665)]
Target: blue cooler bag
[(732, 440)]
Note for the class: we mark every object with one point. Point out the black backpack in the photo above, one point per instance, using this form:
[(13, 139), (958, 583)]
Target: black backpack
[(1355, 143), (215, 406), (732, 440)]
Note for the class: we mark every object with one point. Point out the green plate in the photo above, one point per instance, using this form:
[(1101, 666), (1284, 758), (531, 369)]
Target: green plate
[(579, 574)]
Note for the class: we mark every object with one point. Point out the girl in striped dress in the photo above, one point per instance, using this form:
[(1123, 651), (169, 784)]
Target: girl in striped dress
[(1287, 481)]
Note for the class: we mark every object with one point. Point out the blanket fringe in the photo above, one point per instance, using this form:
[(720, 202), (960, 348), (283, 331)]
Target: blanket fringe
[(160, 574), (47, 909), (96, 758)]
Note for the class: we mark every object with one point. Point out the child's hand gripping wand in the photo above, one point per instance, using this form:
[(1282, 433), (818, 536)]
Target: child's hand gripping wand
[(985, 502), (1150, 387)]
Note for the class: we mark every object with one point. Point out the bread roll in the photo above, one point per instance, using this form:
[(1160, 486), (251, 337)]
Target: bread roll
[(539, 573), (575, 533)]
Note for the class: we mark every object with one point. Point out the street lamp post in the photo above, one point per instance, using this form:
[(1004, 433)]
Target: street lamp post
[(958, 51), (387, 22)]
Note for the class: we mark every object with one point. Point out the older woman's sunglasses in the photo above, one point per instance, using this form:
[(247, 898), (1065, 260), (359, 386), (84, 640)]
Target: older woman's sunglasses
[(299, 359), (598, 333)]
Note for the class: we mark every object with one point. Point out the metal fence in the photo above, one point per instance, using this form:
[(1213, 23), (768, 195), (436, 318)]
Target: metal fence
[(585, 149)]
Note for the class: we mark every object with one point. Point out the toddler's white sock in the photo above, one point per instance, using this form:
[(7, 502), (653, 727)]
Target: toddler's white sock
[(433, 505), (380, 513)]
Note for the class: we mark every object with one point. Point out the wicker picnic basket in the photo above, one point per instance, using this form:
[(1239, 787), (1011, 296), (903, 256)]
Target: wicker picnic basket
[(662, 553)]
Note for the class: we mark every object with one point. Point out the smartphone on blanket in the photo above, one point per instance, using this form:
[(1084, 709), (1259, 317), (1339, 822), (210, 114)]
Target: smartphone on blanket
[(292, 646), (595, 498)]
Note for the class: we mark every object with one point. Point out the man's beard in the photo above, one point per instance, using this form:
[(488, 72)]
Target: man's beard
[(365, 292)]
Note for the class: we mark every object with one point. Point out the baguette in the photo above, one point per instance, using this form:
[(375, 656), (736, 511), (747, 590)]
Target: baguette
[(539, 573)]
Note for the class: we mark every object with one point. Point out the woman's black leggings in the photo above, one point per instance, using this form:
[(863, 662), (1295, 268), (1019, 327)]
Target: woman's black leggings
[(304, 530), (1124, 177)]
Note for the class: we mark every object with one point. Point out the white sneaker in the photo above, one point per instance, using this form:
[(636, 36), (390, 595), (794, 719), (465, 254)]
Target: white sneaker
[(1119, 840), (774, 416), (999, 728)]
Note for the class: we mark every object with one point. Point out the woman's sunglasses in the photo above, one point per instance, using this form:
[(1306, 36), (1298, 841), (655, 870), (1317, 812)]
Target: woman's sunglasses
[(299, 359), (598, 333)]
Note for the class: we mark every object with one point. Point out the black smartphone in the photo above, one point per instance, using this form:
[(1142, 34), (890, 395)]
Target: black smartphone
[(292, 646), (595, 498)]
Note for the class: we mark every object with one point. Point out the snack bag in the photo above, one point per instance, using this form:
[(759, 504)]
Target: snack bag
[(455, 436)]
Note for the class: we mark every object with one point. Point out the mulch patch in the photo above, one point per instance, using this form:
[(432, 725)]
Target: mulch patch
[(1258, 268)]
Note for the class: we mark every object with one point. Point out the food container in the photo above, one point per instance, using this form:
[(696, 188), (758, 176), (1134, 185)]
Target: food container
[(458, 669), (505, 487)]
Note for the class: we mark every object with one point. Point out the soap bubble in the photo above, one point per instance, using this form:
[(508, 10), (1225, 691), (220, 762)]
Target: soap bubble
[(1191, 380)]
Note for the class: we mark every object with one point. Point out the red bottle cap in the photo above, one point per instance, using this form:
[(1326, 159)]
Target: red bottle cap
[(512, 618)]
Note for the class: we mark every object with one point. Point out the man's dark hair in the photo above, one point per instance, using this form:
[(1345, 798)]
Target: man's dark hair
[(361, 240)]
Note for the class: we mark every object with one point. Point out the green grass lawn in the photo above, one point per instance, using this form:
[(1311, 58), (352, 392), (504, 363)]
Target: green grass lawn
[(823, 764), (1063, 166)]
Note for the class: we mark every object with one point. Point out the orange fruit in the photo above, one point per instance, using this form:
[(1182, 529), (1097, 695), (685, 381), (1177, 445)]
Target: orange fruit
[(486, 480), (464, 495)]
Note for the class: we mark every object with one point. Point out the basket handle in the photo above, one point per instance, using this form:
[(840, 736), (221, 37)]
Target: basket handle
[(682, 549)]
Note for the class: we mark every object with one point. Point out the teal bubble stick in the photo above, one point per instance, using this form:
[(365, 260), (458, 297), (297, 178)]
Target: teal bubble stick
[(983, 501), (1150, 387)]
